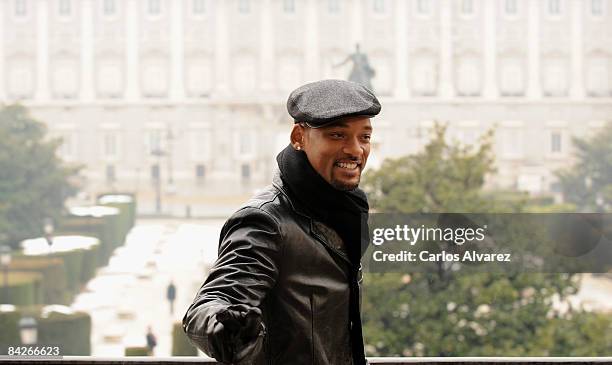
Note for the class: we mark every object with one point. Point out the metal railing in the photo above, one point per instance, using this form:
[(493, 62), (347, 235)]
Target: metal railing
[(82, 360)]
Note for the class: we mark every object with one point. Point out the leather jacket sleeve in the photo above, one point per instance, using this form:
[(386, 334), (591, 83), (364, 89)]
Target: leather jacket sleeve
[(246, 269)]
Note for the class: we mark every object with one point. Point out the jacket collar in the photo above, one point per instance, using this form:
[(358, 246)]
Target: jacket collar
[(296, 206), (325, 234)]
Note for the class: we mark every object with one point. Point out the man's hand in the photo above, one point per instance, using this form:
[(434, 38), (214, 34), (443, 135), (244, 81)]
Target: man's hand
[(237, 334)]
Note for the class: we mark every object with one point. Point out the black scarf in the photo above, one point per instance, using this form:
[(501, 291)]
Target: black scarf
[(346, 212)]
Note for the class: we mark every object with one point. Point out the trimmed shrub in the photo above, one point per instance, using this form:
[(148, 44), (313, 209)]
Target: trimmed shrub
[(53, 276), (137, 351), (130, 207), (180, 343), (73, 263), (9, 322), (24, 288), (89, 264), (71, 332), (90, 226)]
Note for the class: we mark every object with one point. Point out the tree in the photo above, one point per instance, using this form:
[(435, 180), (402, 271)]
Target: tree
[(34, 182), (588, 183), (456, 313)]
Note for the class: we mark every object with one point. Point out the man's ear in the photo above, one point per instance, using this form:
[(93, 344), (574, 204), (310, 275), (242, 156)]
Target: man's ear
[(297, 136)]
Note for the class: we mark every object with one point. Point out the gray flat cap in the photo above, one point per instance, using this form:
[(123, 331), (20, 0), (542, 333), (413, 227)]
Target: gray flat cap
[(323, 102)]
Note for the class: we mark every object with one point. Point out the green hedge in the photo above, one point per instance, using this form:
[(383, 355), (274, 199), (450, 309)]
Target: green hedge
[(124, 220), (90, 226), (9, 323), (180, 343), (130, 208), (53, 276), (24, 288), (73, 263), (136, 351), (71, 332), (116, 230), (89, 264)]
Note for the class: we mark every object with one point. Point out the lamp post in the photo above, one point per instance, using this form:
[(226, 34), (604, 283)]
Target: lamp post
[(28, 331), (5, 260), (159, 154)]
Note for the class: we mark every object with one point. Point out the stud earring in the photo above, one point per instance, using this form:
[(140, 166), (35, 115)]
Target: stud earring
[(298, 148)]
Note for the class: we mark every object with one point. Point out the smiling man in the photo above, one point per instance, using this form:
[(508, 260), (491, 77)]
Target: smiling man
[(285, 288)]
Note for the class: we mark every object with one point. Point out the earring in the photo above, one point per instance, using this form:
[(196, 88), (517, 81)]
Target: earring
[(298, 148)]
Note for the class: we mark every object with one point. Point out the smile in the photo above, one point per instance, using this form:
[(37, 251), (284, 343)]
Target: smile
[(347, 165)]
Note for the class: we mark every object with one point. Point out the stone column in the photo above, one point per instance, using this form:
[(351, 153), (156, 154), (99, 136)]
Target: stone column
[(266, 55), (311, 35), (222, 59), (42, 50), (401, 50), (490, 50), (177, 51), (2, 54), (577, 49), (132, 75), (87, 51), (446, 51), (534, 89), (356, 22)]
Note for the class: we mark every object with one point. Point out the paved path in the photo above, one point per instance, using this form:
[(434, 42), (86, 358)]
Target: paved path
[(129, 294)]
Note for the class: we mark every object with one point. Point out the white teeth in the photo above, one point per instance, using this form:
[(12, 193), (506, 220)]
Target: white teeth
[(347, 165)]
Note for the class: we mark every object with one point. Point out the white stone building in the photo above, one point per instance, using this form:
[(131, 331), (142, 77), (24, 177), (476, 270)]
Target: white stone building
[(205, 81)]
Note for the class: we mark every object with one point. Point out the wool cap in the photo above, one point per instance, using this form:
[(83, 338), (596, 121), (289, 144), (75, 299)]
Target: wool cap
[(323, 102)]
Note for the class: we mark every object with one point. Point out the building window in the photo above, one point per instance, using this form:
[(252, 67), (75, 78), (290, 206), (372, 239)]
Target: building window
[(65, 7), (245, 171), (333, 6), (154, 142), (555, 142), (597, 7), (379, 6), (598, 77), (199, 7), (511, 143), (423, 7), (510, 7), (67, 148), (424, 76), (21, 8), (111, 144), (555, 82), (467, 7), (512, 77), (467, 76), (200, 144), (110, 173), (155, 172), (554, 7), (154, 7), (246, 143), (200, 172), (108, 7), (289, 6), (244, 6)]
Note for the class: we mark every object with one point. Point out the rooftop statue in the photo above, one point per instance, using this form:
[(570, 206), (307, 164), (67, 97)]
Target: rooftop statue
[(362, 72)]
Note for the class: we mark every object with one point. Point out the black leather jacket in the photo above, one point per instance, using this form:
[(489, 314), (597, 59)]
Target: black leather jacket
[(274, 256)]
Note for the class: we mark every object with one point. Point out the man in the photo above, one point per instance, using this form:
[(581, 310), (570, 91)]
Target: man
[(151, 341), (285, 289), (171, 295)]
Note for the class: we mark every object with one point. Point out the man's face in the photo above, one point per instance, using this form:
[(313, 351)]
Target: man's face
[(339, 152)]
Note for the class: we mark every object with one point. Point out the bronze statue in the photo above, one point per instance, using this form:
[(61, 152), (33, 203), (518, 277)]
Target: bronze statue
[(362, 73)]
